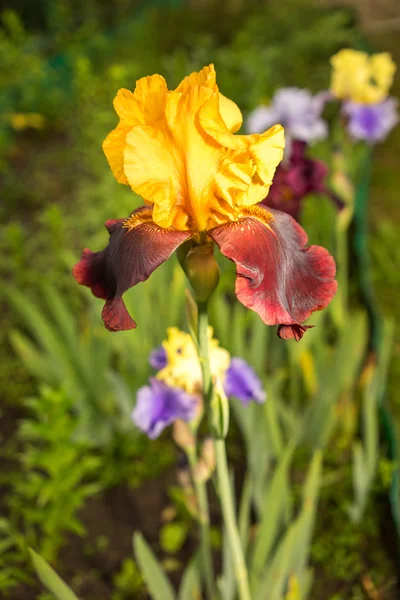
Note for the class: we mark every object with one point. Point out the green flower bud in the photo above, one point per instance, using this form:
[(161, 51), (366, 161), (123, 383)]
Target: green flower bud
[(202, 270)]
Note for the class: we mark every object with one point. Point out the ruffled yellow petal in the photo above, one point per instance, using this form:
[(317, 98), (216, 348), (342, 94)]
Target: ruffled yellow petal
[(145, 105), (177, 150), (203, 161), (231, 114), (361, 78), (142, 107), (113, 148), (262, 151), (207, 77), (153, 165)]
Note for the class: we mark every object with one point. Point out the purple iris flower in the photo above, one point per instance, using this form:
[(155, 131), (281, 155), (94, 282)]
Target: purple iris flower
[(295, 178), (242, 382), (158, 358), (297, 110), (159, 405), (371, 122)]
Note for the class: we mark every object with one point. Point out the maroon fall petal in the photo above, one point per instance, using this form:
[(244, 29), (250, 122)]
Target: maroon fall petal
[(137, 246), (277, 276)]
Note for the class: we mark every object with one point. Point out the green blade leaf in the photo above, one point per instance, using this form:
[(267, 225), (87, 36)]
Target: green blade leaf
[(50, 579), (274, 509), (190, 585), (158, 584)]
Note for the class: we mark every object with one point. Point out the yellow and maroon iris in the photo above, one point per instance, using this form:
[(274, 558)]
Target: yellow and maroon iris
[(201, 182)]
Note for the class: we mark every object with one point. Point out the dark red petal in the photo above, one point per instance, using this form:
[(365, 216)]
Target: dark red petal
[(88, 271), (137, 246), (288, 332), (278, 277), (116, 317)]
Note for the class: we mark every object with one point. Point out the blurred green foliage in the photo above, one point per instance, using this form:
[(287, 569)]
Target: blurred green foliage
[(128, 582), (56, 476)]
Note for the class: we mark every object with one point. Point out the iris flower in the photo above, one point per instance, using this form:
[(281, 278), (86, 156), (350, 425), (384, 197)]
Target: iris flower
[(177, 363), (176, 391), (297, 110), (182, 368), (361, 78), (297, 177), (202, 183)]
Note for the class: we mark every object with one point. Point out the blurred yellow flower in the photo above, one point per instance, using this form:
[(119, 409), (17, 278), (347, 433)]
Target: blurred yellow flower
[(177, 150), (183, 367), (20, 121), (360, 77)]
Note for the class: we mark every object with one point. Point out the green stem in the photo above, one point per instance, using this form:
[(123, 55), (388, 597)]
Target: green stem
[(204, 518), (224, 484), (203, 351), (228, 513)]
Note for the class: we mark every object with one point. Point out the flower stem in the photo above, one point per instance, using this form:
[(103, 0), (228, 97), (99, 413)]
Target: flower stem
[(228, 512), (203, 351), (224, 484), (204, 518), (200, 487)]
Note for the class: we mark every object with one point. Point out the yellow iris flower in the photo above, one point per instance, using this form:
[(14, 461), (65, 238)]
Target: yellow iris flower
[(362, 78), (183, 368)]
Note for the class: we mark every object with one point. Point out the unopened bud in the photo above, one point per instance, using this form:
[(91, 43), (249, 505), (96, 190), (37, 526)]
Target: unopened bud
[(201, 472), (202, 270), (208, 453), (219, 412), (183, 436)]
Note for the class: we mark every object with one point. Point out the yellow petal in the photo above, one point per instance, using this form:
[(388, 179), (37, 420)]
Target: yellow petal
[(266, 150), (263, 151), (153, 168), (206, 77), (350, 74), (143, 107), (126, 106), (113, 147), (383, 69), (230, 112)]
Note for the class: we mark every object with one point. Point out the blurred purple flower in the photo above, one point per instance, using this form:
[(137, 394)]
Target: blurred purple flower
[(371, 122), (158, 358), (298, 176), (242, 382), (159, 405), (297, 110)]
